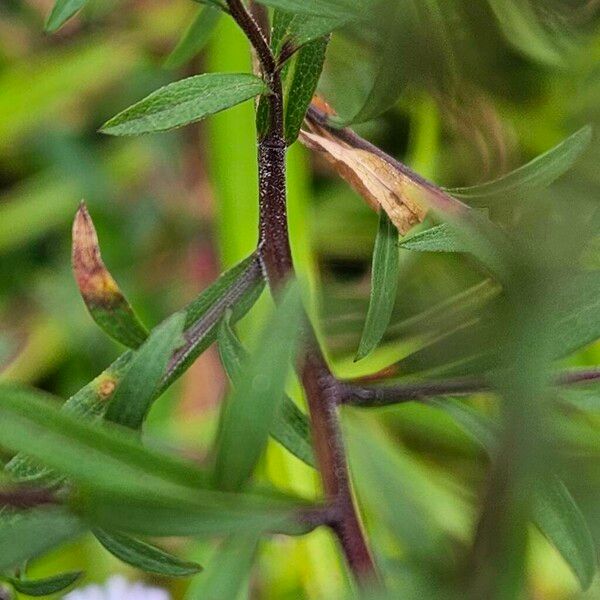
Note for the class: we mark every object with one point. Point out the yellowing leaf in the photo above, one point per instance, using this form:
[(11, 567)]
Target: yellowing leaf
[(375, 179), (99, 290)]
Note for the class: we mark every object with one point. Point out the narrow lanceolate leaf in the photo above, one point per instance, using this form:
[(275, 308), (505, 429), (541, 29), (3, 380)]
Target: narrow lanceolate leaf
[(144, 556), (139, 387), (304, 29), (555, 512), (99, 290), (307, 71), (384, 284), (537, 174), (324, 8), (184, 102), (560, 519), (441, 238), (46, 586), (291, 427), (119, 484), (236, 290), (195, 37), (62, 11), (227, 571), (520, 23), (249, 413), (27, 535)]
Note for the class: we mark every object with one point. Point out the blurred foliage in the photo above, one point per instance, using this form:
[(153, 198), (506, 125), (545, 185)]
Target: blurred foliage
[(482, 92)]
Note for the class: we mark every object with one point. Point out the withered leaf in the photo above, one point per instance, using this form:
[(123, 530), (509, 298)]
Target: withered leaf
[(372, 177), (100, 292), (382, 182)]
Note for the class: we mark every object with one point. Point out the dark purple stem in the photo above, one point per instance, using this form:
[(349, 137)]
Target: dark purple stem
[(373, 396), (323, 391), (25, 497)]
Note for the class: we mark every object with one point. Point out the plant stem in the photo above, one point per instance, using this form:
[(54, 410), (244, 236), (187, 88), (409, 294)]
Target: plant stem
[(373, 396), (322, 390), (26, 497)]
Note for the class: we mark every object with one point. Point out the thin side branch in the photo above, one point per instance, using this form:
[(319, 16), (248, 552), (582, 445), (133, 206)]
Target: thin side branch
[(374, 396), (26, 497)]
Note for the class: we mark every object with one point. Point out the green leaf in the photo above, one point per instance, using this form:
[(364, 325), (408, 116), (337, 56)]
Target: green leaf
[(323, 8), (522, 29), (237, 289), (139, 387), (390, 76), (141, 555), (386, 482), (61, 12), (577, 313), (100, 292), (304, 29), (216, 3), (249, 412), (195, 37), (307, 71), (555, 512), (441, 238), (184, 102), (27, 535), (291, 427), (46, 586), (121, 485), (227, 571), (384, 283), (559, 518), (539, 173)]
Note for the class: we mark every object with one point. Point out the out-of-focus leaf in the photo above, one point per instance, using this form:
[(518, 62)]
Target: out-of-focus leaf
[(122, 485), (138, 388), (185, 101), (586, 399), (523, 29), (323, 8), (61, 12), (144, 556), (577, 313), (237, 289), (555, 512), (441, 238), (304, 29), (216, 3), (249, 412), (46, 586), (100, 292), (559, 518), (307, 71), (539, 173), (384, 283), (195, 37), (27, 535), (227, 571), (382, 481), (104, 458), (479, 427), (390, 76), (290, 427)]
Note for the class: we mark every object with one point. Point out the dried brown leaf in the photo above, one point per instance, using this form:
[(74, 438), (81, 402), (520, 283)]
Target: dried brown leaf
[(376, 180)]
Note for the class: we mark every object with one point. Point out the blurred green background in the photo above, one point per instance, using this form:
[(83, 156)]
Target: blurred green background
[(173, 209)]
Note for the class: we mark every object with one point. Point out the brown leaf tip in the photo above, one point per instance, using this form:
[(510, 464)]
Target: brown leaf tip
[(95, 283)]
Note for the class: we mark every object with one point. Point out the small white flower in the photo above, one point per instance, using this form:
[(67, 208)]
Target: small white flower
[(118, 588)]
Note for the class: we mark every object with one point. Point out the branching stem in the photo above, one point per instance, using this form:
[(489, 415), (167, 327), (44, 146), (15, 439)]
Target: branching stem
[(322, 389), (373, 396)]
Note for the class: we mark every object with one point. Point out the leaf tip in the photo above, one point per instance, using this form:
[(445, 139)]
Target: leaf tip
[(95, 283)]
